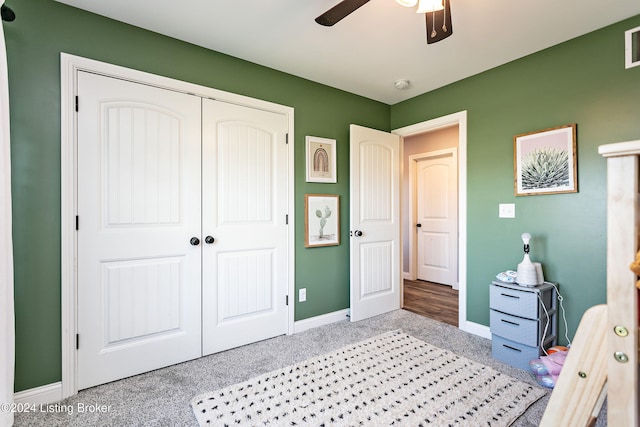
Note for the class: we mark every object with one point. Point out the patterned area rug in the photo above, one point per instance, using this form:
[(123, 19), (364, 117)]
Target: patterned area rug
[(391, 379)]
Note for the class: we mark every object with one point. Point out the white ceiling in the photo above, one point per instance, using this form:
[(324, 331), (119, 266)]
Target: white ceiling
[(376, 45)]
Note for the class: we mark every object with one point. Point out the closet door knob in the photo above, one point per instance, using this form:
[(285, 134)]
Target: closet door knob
[(418, 225), (194, 241), (358, 233), (209, 240)]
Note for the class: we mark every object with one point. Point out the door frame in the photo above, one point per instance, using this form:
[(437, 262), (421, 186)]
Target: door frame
[(413, 194), (459, 119), (69, 67)]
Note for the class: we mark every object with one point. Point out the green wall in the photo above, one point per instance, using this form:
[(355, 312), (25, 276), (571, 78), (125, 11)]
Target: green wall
[(582, 81), (43, 29)]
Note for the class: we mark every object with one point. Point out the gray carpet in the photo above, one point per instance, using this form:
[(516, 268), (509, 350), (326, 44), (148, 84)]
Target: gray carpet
[(162, 397)]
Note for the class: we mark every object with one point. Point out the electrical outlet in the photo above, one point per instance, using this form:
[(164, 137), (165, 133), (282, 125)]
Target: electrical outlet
[(506, 210), (302, 295)]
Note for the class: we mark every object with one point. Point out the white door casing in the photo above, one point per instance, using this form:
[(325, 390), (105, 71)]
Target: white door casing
[(70, 68), (245, 211), (455, 119), (437, 225), (375, 222), (139, 205)]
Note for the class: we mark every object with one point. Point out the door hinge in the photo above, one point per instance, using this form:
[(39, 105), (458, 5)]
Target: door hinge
[(286, 219), (76, 103), (287, 300), (77, 223), (286, 139), (77, 341)]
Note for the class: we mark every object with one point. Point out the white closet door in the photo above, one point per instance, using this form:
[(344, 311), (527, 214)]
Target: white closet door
[(138, 206), (244, 225), (375, 222)]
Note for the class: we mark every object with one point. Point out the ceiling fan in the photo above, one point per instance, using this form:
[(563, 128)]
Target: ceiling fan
[(437, 15)]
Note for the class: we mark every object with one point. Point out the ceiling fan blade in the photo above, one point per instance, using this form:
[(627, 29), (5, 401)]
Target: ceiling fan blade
[(6, 13), (439, 24), (339, 12)]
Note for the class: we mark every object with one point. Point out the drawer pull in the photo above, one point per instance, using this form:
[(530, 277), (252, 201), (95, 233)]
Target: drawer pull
[(512, 348), (511, 323), (510, 296)]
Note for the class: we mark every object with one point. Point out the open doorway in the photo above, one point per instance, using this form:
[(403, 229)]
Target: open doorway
[(434, 241), (431, 224)]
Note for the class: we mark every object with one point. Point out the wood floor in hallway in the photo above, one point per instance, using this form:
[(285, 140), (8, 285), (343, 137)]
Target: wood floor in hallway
[(432, 300)]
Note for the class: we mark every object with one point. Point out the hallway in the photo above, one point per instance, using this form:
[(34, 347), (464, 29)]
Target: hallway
[(438, 302)]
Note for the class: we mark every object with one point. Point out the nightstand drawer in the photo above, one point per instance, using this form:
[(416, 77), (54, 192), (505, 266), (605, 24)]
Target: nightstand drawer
[(521, 303), (524, 331), (513, 353)]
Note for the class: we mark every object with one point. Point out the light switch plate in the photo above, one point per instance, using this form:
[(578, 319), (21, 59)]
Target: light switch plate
[(506, 210)]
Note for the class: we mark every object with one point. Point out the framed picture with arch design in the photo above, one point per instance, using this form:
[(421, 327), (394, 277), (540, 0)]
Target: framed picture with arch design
[(321, 159)]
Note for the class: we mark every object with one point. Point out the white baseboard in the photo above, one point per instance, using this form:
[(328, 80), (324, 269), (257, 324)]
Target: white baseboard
[(40, 395), (325, 319), (337, 316), (406, 275), (476, 329)]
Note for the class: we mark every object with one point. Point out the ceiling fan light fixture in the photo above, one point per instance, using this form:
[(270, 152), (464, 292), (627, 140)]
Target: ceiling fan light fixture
[(426, 6), (407, 3)]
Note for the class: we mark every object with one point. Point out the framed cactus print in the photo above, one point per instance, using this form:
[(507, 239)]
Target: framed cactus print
[(545, 161), (321, 220)]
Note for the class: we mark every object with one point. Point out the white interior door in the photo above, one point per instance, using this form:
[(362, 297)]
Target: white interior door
[(245, 215), (138, 207), (375, 222), (437, 226)]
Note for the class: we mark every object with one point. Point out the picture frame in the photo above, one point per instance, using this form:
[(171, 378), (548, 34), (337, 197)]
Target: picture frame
[(321, 159), (321, 220), (632, 48), (545, 161)]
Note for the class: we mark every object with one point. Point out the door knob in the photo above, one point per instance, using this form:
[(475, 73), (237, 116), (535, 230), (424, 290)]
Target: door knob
[(209, 240), (358, 233), (418, 225), (194, 241)]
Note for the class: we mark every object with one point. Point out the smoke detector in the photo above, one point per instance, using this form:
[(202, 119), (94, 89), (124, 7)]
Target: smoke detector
[(401, 84)]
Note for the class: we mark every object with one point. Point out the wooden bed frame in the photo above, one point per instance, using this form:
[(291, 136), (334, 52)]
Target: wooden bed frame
[(623, 174), (603, 360)]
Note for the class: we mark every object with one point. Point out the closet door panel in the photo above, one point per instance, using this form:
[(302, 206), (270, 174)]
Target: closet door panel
[(139, 154), (244, 211)]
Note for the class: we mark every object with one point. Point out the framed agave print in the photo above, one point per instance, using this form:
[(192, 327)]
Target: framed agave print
[(545, 161)]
